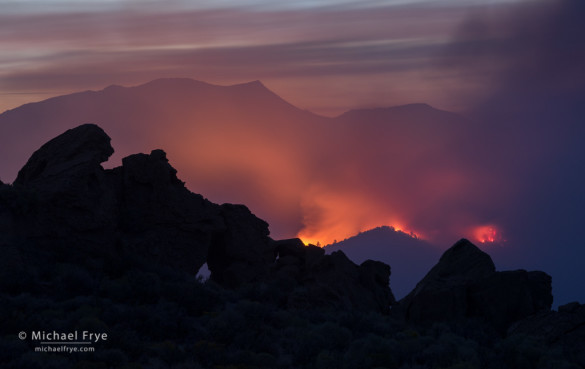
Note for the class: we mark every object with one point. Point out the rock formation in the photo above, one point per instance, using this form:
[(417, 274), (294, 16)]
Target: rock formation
[(563, 329), (68, 161), (332, 280), (65, 207), (464, 284), (244, 252), (159, 217), (76, 211)]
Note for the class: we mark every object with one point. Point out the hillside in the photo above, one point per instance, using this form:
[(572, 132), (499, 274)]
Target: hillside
[(245, 134), (114, 252), (409, 257)]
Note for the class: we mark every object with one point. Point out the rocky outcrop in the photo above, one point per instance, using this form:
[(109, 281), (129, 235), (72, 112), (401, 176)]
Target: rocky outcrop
[(294, 259), (68, 162), (66, 188), (333, 280), (465, 284), (64, 207), (158, 217), (507, 297), (563, 329), (242, 253), (442, 293)]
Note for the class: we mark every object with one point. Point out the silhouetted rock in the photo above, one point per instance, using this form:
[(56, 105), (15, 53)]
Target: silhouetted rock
[(242, 253), (563, 329), (293, 247), (336, 281), (375, 276), (442, 293), (291, 259), (159, 217), (65, 207), (411, 258), (463, 261), (11, 262), (333, 280), (67, 162), (66, 182), (506, 297), (570, 307), (465, 284)]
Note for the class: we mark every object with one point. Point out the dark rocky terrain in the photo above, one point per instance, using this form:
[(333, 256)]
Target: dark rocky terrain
[(220, 135), (411, 257), (117, 251)]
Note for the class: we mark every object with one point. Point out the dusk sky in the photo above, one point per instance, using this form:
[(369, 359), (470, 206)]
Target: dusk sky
[(512, 70), (327, 56)]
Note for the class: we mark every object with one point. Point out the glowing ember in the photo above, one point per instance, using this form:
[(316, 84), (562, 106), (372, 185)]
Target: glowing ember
[(324, 238), (487, 234), (311, 241)]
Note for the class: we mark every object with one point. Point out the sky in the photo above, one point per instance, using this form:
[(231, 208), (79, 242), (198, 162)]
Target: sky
[(512, 68), (326, 56)]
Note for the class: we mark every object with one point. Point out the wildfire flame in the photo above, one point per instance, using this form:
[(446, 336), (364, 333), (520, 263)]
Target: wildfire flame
[(487, 234), (325, 238)]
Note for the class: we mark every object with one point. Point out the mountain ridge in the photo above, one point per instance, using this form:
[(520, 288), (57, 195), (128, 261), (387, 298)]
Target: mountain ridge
[(219, 135), (116, 250), (256, 84), (388, 245)]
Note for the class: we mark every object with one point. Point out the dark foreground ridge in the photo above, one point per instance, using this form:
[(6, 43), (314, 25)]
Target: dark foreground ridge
[(116, 251)]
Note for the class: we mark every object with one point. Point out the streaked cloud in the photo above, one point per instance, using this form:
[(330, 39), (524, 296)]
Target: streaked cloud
[(90, 46)]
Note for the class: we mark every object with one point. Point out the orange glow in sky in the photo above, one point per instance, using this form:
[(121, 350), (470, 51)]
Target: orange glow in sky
[(487, 234), (343, 230), (320, 178)]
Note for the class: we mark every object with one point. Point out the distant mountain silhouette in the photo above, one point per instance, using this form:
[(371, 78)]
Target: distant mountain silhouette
[(244, 134), (412, 122), (135, 115), (141, 213), (410, 258), (405, 113), (115, 251)]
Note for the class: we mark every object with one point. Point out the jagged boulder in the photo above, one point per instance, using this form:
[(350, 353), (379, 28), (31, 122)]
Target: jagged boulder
[(244, 252), (11, 263), (140, 212), (464, 284), (66, 185), (294, 258), (563, 329), (506, 297), (61, 204), (332, 281), (158, 217), (442, 293), (64, 207), (375, 278), (69, 162)]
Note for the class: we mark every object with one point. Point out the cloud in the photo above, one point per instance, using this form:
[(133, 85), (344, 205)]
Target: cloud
[(513, 165), (385, 47), (531, 127)]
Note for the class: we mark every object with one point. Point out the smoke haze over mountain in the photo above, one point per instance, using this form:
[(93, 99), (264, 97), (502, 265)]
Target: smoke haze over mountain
[(505, 171)]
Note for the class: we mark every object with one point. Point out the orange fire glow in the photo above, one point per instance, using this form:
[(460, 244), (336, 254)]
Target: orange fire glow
[(318, 179), (325, 237), (311, 241), (487, 234)]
